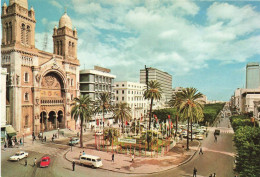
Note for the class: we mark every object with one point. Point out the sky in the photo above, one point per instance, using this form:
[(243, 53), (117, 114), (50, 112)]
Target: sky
[(204, 44)]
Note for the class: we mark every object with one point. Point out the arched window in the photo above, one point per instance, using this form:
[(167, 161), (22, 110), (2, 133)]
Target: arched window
[(57, 48), (26, 96), (73, 49), (26, 77), (23, 34), (69, 48), (60, 48), (10, 32), (28, 35), (6, 33), (26, 121)]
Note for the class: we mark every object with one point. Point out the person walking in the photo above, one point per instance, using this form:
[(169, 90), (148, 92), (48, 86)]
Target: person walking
[(34, 163), (214, 174), (52, 139), (133, 157), (25, 162), (194, 172), (84, 153), (80, 155), (73, 165), (45, 138), (201, 151), (113, 157), (216, 139)]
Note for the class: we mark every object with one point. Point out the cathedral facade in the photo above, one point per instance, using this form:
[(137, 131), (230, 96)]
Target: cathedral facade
[(40, 85)]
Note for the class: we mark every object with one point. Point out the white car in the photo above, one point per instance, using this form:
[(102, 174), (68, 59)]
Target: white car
[(199, 137), (19, 155)]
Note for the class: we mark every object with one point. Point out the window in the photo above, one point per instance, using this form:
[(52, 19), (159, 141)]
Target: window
[(123, 92), (26, 97), (72, 82), (117, 85), (116, 98), (123, 98), (26, 77), (26, 120), (23, 33), (71, 96), (123, 85), (116, 91), (132, 92)]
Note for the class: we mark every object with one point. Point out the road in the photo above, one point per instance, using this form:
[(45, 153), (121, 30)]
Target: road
[(217, 158)]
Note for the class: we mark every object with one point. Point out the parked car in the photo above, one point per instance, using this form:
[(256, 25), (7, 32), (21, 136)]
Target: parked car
[(99, 132), (45, 161), (204, 128), (199, 137), (73, 141), (19, 155), (90, 160)]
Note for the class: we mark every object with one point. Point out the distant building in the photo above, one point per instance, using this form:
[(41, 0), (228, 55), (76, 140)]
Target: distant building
[(95, 81), (252, 75), (162, 77), (132, 94)]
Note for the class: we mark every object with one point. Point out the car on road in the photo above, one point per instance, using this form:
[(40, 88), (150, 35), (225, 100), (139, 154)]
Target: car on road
[(45, 161), (19, 155), (199, 137), (90, 160), (217, 132), (74, 141), (203, 128)]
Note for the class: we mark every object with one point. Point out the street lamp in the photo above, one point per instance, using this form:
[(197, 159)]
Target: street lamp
[(58, 132), (23, 139)]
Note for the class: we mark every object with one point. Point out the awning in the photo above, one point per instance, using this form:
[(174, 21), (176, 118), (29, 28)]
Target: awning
[(10, 131)]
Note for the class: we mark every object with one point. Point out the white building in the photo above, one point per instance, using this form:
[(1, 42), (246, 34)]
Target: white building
[(132, 94), (3, 103)]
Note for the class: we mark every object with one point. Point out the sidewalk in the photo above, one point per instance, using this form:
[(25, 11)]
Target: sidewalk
[(141, 165)]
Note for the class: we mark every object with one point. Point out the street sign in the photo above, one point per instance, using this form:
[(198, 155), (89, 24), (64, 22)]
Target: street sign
[(122, 140)]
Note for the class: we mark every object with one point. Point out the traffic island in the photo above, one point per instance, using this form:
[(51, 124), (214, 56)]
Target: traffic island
[(140, 165)]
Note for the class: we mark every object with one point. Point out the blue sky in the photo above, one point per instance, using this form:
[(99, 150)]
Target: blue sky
[(202, 44)]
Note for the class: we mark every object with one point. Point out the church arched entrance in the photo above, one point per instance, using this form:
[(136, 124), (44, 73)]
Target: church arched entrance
[(52, 100)]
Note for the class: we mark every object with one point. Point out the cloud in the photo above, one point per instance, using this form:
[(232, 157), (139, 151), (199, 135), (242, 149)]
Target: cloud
[(56, 4), (126, 35)]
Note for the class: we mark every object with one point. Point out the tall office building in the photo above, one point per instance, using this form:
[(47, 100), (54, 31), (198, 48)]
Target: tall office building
[(252, 75), (95, 81), (162, 77)]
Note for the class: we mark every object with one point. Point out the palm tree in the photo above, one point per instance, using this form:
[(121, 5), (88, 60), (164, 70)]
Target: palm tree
[(153, 92), (103, 104), (122, 112), (175, 102), (83, 109), (189, 106)]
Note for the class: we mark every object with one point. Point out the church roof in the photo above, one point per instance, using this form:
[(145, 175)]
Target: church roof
[(65, 21), (23, 3)]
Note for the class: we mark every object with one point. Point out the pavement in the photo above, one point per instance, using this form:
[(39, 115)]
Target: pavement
[(141, 165)]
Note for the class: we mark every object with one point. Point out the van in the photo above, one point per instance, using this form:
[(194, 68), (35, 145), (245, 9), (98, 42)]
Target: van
[(90, 160)]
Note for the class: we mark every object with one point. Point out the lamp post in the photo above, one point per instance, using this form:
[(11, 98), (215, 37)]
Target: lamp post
[(23, 139), (58, 132)]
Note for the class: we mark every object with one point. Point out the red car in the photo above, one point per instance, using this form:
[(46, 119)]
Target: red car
[(45, 161)]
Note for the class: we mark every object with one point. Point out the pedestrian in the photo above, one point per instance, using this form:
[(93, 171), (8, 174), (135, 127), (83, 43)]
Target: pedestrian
[(25, 162), (21, 142), (52, 139), (133, 157), (210, 175), (113, 157), (214, 174), (45, 138), (34, 163), (194, 172), (84, 153), (79, 154), (73, 165), (201, 151), (182, 149), (78, 134), (206, 134), (5, 146)]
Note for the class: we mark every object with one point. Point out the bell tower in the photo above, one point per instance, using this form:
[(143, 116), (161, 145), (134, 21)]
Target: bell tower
[(18, 24), (65, 38)]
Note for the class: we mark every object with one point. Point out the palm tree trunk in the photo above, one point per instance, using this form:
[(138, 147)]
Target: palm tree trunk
[(103, 118), (122, 126), (150, 116), (191, 128), (176, 125), (188, 133), (81, 132)]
